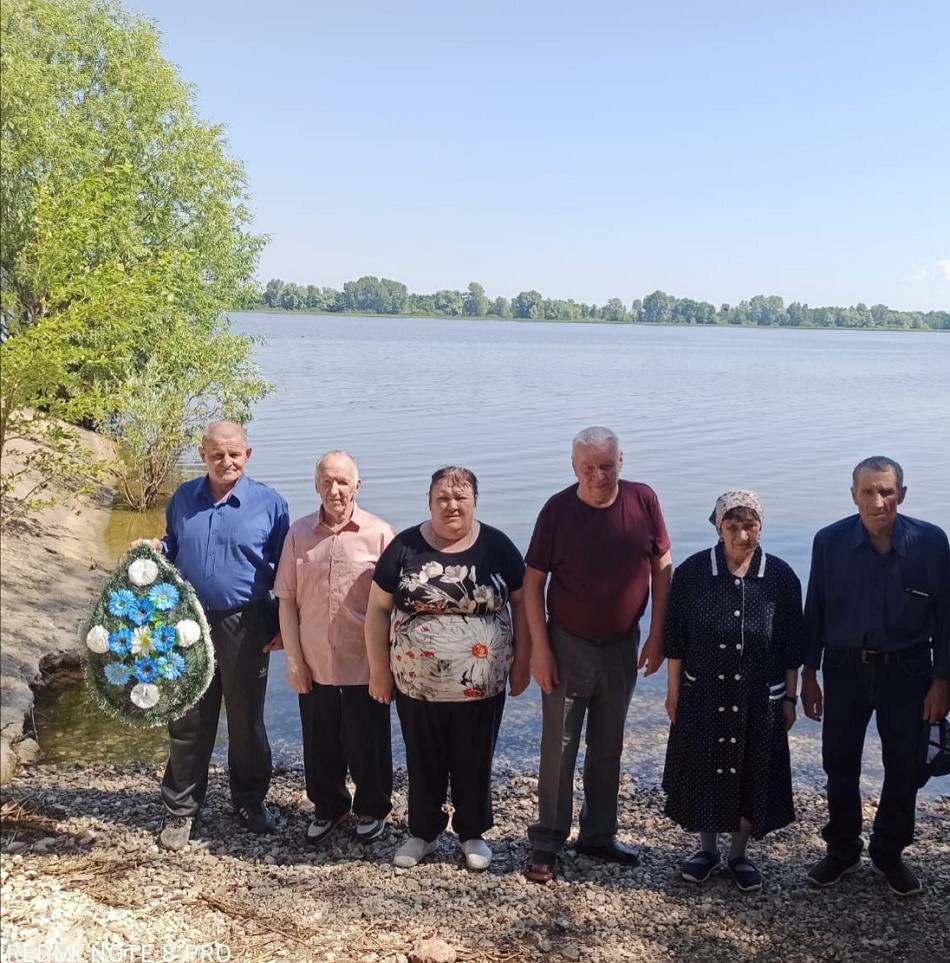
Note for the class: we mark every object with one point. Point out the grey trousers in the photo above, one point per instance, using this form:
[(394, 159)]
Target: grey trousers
[(596, 680)]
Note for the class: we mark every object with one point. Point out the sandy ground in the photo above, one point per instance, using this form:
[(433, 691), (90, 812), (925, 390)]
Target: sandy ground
[(50, 568)]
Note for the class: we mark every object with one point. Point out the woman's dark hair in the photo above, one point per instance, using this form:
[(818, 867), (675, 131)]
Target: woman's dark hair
[(741, 514), (455, 476)]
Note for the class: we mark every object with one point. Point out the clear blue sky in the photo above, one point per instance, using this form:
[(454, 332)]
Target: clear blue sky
[(715, 150)]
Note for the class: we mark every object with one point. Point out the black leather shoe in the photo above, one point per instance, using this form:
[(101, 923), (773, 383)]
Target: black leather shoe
[(615, 852)]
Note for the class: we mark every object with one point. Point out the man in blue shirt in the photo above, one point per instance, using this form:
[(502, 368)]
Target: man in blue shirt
[(225, 532), (877, 620)]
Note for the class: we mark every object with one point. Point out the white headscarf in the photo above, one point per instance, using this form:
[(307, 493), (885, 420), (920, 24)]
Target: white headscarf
[(741, 498)]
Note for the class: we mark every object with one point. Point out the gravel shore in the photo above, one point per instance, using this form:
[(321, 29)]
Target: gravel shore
[(81, 874)]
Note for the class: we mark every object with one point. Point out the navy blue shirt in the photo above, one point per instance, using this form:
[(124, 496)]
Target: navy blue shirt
[(860, 599), (228, 550)]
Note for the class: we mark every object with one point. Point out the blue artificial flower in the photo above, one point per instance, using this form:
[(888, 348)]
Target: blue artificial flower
[(140, 611), (163, 596), (164, 639), (117, 673), (120, 641), (145, 670), (171, 667), (120, 602)]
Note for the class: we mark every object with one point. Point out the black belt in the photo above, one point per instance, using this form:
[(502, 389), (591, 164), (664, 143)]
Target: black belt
[(873, 657)]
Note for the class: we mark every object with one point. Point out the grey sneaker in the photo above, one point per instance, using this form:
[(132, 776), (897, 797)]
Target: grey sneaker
[(176, 832), (369, 828), (321, 829)]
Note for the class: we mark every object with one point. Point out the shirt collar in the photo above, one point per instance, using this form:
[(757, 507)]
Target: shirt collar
[(718, 566), (235, 495), (353, 525), (858, 536)]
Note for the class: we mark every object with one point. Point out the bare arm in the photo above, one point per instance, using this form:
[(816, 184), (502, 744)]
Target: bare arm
[(378, 619), (791, 689), (520, 674), (661, 577), (674, 670), (811, 694), (543, 663), (298, 672)]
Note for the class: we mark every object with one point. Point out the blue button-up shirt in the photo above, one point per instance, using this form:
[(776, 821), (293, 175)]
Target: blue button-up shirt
[(228, 550), (860, 599)]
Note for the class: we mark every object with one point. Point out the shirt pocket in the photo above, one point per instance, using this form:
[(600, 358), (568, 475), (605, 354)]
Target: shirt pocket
[(312, 577), (916, 612)]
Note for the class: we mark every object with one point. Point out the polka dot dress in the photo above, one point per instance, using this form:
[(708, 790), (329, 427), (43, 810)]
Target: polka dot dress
[(727, 755)]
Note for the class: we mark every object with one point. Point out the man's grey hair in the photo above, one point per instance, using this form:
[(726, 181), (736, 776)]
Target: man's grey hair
[(224, 430), (336, 453), (878, 463), (595, 437)]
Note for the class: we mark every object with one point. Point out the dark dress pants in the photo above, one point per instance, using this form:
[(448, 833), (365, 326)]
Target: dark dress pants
[(895, 693), (345, 728), (595, 680), (240, 677), (450, 741)]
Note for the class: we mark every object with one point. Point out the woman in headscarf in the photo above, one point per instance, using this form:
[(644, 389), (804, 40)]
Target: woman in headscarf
[(733, 638)]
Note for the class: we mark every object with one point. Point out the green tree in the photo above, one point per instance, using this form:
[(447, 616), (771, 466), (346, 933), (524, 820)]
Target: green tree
[(476, 305), (448, 302), (658, 308), (501, 308), (121, 215), (273, 291), (527, 304)]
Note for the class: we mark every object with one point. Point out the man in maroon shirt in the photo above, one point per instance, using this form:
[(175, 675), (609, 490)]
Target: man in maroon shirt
[(603, 542)]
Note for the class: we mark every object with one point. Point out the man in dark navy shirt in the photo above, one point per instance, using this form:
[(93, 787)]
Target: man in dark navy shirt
[(877, 620), (224, 533)]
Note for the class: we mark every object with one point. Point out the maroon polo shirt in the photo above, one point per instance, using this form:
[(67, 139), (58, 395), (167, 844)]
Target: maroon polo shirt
[(599, 559)]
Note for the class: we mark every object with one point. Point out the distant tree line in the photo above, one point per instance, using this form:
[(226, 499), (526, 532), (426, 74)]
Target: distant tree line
[(370, 295)]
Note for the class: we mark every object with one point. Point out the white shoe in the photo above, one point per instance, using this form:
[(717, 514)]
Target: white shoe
[(414, 849), (477, 854)]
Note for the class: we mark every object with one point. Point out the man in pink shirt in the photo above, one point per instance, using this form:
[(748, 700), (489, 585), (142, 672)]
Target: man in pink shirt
[(323, 582)]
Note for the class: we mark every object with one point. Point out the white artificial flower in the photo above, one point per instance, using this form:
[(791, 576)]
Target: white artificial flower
[(189, 631), (143, 571), (141, 639), (144, 695), (97, 640)]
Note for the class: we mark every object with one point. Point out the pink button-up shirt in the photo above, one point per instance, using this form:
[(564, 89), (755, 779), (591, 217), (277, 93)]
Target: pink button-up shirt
[(329, 574)]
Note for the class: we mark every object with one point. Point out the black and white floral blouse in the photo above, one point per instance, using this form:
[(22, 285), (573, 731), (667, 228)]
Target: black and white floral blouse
[(452, 637)]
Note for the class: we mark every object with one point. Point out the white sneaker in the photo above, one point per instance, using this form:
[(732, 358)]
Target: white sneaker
[(477, 854), (414, 849)]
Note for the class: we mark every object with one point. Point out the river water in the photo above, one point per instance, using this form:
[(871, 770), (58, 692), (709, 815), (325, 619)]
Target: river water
[(698, 410)]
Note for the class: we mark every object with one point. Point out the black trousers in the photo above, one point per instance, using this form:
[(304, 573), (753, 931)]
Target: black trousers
[(895, 693), (344, 728), (240, 677), (450, 741)]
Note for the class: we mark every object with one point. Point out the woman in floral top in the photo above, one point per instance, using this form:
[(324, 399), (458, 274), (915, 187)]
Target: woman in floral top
[(458, 634)]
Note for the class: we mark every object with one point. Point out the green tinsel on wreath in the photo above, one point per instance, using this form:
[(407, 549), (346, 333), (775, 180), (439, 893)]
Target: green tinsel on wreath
[(175, 695)]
